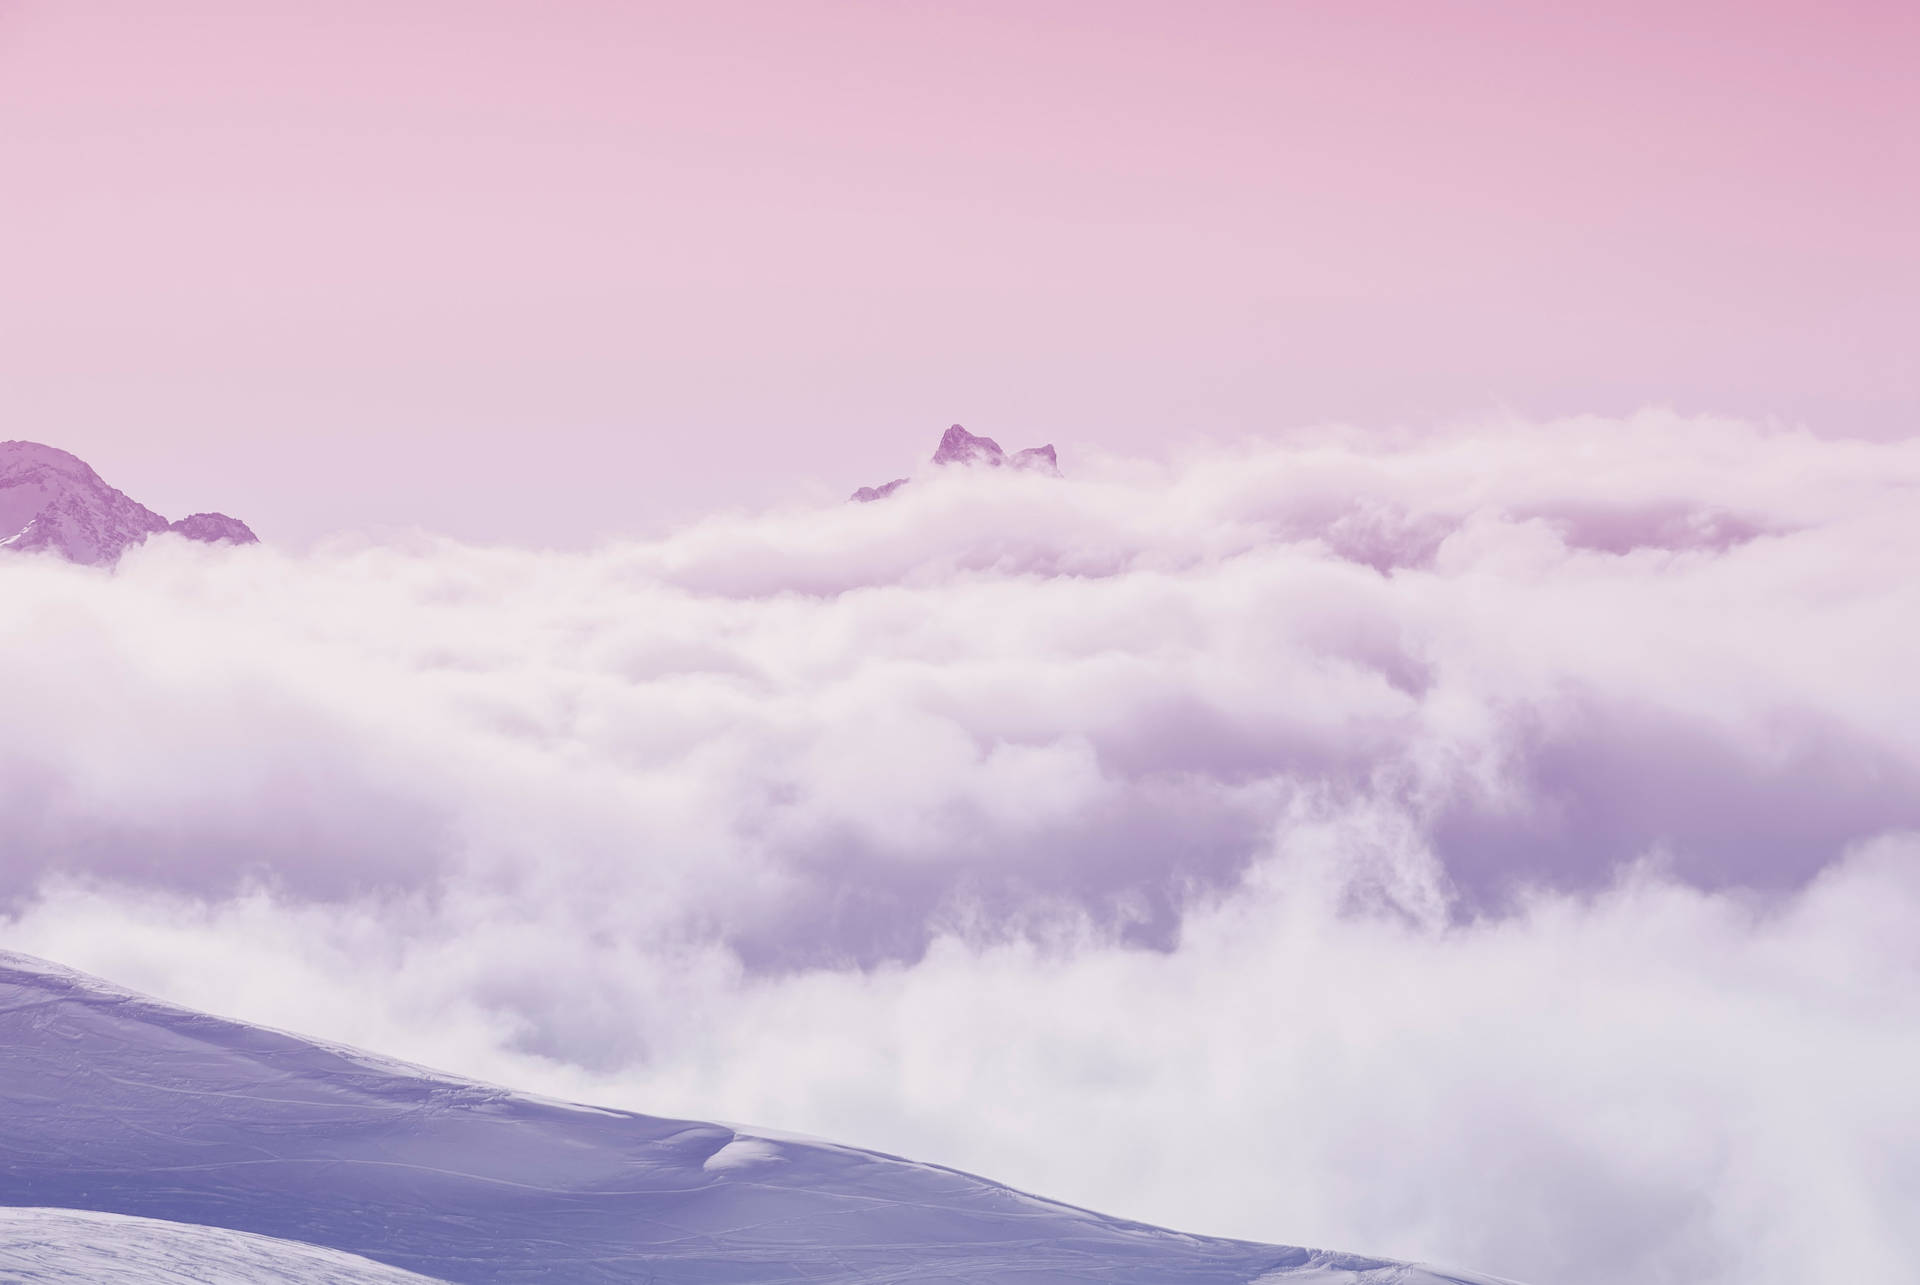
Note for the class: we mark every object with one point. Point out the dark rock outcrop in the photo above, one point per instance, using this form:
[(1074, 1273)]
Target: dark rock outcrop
[(868, 494), (959, 447), (214, 528)]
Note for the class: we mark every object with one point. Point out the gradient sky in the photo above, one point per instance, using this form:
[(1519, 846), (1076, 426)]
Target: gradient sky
[(1502, 832), (546, 271)]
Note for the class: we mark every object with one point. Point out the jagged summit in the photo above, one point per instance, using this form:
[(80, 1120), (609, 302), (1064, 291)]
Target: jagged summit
[(51, 499), (958, 446)]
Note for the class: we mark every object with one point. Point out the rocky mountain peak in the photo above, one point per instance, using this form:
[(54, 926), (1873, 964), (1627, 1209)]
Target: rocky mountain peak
[(52, 500), (959, 447)]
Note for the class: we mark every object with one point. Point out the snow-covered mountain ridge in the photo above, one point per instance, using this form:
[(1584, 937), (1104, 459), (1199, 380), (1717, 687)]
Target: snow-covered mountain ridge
[(124, 1105), (52, 500)]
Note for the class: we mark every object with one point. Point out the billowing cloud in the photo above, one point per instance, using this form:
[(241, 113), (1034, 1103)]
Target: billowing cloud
[(1492, 845)]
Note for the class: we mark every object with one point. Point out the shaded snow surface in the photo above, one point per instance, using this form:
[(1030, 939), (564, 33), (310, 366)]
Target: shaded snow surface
[(114, 1102)]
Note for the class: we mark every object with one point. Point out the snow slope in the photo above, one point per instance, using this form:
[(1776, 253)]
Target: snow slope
[(111, 1101), (70, 1247)]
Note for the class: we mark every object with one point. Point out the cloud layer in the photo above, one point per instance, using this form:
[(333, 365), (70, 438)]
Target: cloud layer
[(1492, 845)]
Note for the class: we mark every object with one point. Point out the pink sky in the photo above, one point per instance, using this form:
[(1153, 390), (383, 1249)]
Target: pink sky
[(546, 271)]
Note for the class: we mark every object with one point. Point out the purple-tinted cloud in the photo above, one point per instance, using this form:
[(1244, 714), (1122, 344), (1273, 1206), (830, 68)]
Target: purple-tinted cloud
[(1334, 798)]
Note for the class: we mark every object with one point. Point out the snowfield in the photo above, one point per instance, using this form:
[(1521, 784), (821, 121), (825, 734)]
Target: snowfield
[(183, 1130), (73, 1247)]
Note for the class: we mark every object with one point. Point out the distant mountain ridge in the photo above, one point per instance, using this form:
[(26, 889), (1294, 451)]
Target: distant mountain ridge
[(958, 446), (52, 500)]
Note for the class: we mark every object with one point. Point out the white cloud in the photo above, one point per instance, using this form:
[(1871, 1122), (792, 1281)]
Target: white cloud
[(1436, 848)]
